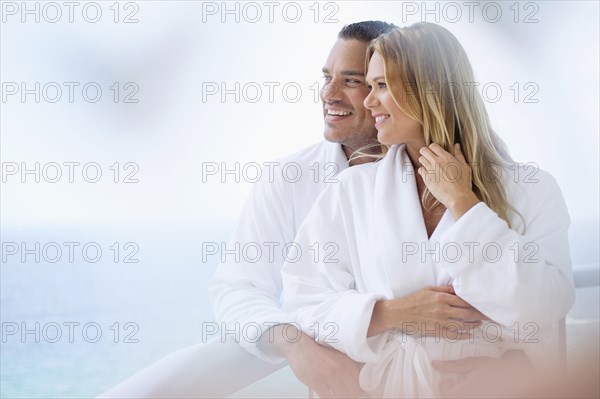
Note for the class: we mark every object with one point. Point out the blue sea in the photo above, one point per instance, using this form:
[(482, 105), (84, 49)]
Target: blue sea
[(142, 310)]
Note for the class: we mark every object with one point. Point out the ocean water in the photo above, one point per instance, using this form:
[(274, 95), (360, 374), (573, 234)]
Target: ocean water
[(143, 310), (163, 297)]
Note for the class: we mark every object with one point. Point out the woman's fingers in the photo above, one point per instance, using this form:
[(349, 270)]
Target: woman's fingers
[(453, 333), (456, 301), (448, 177), (466, 314), (452, 299), (458, 154), (449, 289), (474, 314), (427, 164), (427, 153), (458, 308), (439, 311), (437, 149)]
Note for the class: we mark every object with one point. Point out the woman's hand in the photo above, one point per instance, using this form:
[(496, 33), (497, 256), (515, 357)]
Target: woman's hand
[(432, 311), (448, 178)]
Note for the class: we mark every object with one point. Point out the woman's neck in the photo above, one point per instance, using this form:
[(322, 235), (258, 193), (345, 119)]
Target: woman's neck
[(412, 149)]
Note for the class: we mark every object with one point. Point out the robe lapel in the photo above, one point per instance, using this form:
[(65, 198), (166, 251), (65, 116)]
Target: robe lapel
[(398, 228)]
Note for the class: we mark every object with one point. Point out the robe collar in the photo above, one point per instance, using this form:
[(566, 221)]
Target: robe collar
[(398, 229), (334, 153)]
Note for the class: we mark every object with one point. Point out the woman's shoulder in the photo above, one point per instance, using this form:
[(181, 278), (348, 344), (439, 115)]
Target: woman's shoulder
[(534, 194), (529, 179), (358, 176), (352, 186)]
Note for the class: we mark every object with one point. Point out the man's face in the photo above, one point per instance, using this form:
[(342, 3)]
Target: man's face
[(347, 121)]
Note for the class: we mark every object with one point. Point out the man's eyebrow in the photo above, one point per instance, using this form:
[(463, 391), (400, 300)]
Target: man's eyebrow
[(346, 73)]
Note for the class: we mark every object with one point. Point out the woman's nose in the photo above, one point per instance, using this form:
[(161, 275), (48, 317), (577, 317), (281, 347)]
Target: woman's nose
[(370, 100)]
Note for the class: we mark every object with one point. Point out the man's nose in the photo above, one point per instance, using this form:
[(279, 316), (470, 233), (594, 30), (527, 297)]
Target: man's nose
[(331, 92)]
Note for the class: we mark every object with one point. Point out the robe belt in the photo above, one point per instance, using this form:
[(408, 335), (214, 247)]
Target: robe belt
[(415, 381)]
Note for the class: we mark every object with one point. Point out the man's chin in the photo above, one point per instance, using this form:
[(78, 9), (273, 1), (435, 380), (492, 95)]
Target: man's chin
[(335, 135)]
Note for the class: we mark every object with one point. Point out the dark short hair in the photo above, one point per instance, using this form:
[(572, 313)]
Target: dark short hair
[(365, 31)]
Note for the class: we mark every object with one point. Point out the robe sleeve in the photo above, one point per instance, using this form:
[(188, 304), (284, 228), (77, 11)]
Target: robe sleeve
[(320, 287), (516, 277), (245, 290)]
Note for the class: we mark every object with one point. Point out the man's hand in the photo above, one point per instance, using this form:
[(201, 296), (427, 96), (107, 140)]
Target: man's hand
[(327, 371), (488, 377)]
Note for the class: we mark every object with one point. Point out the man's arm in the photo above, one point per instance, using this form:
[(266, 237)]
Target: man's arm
[(329, 372), (248, 292), (245, 290)]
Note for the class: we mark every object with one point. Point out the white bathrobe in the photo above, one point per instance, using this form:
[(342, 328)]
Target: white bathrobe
[(373, 217), (247, 291)]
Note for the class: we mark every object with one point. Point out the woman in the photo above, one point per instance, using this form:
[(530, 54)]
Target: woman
[(444, 249)]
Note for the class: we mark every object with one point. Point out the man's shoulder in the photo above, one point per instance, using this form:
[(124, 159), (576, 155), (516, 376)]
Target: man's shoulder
[(303, 172), (318, 152), (309, 169)]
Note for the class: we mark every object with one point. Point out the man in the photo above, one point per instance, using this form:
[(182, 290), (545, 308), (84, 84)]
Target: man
[(247, 293)]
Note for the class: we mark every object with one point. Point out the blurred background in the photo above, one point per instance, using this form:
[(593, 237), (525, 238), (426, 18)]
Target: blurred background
[(113, 113)]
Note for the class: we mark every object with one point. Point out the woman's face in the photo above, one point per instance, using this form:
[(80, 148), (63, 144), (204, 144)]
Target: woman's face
[(393, 125)]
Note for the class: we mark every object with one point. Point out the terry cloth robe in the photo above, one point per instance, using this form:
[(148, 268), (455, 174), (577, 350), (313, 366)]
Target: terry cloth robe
[(245, 290), (519, 276)]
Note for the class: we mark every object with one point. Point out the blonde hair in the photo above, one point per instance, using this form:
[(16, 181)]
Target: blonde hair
[(426, 67)]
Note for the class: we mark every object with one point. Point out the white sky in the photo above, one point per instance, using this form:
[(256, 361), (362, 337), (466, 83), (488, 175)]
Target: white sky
[(171, 53)]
